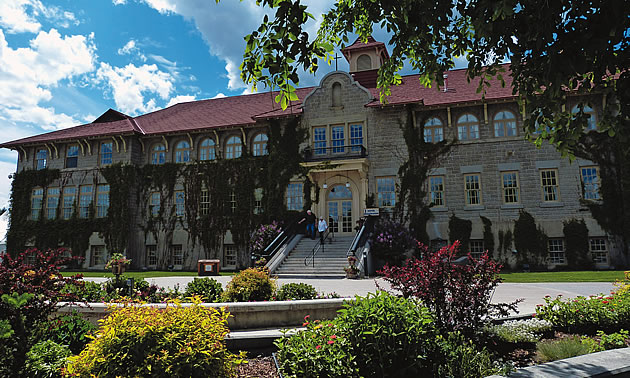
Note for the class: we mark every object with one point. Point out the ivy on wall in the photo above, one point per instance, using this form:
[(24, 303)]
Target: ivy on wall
[(488, 236), (576, 246), (505, 245), (530, 241), (460, 229)]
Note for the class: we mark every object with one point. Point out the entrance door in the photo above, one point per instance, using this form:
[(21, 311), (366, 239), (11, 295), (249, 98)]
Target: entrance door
[(340, 210)]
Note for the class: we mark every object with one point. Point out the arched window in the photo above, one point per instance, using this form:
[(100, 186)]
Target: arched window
[(158, 154), (467, 127), (504, 124), (233, 148), (260, 145), (592, 118), (364, 62), (207, 149), (336, 94), (182, 152), (433, 131)]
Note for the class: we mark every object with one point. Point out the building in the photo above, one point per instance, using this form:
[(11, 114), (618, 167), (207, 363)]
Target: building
[(202, 175)]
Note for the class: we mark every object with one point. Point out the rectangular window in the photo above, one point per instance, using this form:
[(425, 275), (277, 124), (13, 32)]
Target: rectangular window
[(204, 202), (36, 203), (258, 197), (152, 255), (85, 200), (472, 188), (356, 136), (154, 204), (295, 196), (433, 134), (102, 200), (556, 251), (72, 156), (106, 153), (229, 256), (436, 190), (468, 132), (319, 140), (177, 254), (476, 249), (549, 184), (599, 250), (41, 159), (338, 139), (590, 183), (98, 255), (52, 202), (180, 201), (510, 184), (386, 191), (69, 196), (232, 201)]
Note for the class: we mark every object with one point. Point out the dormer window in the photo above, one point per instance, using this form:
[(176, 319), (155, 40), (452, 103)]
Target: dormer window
[(433, 130), (41, 158), (260, 145), (207, 150), (182, 152), (364, 63), (72, 156), (158, 154), (233, 148), (590, 113)]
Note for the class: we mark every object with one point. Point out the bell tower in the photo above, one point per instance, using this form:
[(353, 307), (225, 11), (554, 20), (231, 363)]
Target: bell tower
[(365, 59)]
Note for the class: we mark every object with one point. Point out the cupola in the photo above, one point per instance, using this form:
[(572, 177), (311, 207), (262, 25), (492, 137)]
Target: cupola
[(365, 59)]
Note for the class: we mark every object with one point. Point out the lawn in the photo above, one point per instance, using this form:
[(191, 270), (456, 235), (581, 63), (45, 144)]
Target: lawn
[(139, 274), (580, 276)]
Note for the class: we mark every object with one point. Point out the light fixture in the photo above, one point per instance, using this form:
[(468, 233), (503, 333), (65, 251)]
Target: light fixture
[(325, 186), (347, 181)]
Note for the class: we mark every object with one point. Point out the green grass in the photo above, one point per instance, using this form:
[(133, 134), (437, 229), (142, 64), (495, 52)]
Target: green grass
[(580, 276), (139, 275)]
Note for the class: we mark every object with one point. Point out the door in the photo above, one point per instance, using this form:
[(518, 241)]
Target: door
[(340, 210)]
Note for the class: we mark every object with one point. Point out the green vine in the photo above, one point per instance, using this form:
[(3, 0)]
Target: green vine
[(505, 245), (530, 241), (460, 229), (488, 236), (576, 244)]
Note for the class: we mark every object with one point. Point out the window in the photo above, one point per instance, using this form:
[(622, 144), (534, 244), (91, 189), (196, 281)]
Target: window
[(467, 127), (599, 251), (295, 196), (510, 185), (319, 140), (436, 190), (177, 254), (260, 145), (106, 153), (85, 200), (102, 200), (549, 184), (364, 62), (180, 201), (356, 137), (204, 201), (72, 156), (472, 188), (36, 203), (338, 139), (207, 150), (504, 124), (433, 131), (182, 152), (386, 191), (41, 158), (476, 249), (336, 94), (233, 148), (229, 256), (154, 204), (98, 255), (258, 197), (590, 113), (590, 183), (232, 201), (556, 251), (152, 255), (69, 196), (158, 154), (52, 202)]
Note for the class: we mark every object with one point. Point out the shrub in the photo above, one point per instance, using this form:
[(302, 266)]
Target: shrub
[(251, 284), (607, 341), (263, 236), (391, 240), (460, 358), (207, 288), (89, 291), (520, 331), (46, 359), (146, 341), (553, 350), (458, 295), (296, 291), (70, 330)]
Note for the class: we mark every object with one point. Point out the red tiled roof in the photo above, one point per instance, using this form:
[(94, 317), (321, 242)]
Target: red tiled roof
[(359, 44)]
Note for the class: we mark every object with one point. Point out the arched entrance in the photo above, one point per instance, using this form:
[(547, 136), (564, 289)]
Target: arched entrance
[(339, 205)]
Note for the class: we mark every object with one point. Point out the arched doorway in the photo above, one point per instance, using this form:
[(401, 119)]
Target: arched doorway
[(339, 205)]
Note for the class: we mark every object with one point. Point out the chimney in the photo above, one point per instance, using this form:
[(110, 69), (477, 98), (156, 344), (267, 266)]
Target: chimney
[(445, 76)]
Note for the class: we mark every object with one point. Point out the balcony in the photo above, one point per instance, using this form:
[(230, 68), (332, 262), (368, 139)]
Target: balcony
[(334, 153)]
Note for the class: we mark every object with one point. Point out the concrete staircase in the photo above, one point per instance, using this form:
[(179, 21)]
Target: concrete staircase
[(329, 261)]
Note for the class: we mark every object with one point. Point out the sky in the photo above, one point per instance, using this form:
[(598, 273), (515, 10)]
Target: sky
[(65, 62)]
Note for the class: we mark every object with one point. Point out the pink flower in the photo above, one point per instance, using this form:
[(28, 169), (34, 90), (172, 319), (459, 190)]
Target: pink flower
[(331, 342), (318, 347), (333, 337)]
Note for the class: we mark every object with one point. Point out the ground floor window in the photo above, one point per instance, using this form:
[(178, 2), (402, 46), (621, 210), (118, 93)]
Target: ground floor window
[(599, 250), (151, 255), (556, 251), (476, 248), (229, 256), (98, 255), (178, 254)]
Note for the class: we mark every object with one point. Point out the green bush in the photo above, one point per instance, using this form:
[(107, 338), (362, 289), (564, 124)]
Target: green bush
[(89, 291), (460, 358), (45, 359), (250, 285), (607, 341), (70, 330), (296, 291), (146, 341), (520, 331), (560, 349), (207, 288)]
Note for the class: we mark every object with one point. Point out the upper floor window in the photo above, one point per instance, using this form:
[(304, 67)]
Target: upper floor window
[(337, 138), (433, 130), (102, 200), (319, 140), (295, 196), (72, 156), (504, 124), (207, 149), (154, 205), (37, 197), (180, 202), (590, 182), (436, 190), (260, 145), (472, 189), (590, 113), (69, 197), (106, 153), (386, 191), (41, 158), (336, 94), (549, 184), (364, 62), (467, 127), (182, 152), (52, 203), (356, 136), (233, 148), (510, 186), (158, 154), (232, 201), (85, 200), (204, 201)]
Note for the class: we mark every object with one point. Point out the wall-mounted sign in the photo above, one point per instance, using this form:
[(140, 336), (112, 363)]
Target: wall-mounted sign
[(371, 212)]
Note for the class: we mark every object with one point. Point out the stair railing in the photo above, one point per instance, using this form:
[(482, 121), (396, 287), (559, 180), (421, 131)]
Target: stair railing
[(280, 240), (319, 246), (360, 238)]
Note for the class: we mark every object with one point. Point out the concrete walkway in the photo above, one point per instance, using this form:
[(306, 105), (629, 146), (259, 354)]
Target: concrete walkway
[(532, 293)]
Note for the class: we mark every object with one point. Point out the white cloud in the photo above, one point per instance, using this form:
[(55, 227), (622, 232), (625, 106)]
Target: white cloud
[(162, 6), (119, 2), (179, 99), (219, 95), (20, 16), (130, 84), (131, 48)]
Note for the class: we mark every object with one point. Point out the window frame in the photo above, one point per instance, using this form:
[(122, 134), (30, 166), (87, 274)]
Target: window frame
[(84, 208), (102, 200), (388, 198), (177, 254), (233, 150), (207, 152), (260, 147), (232, 201), (182, 152), (229, 252), (72, 158), (151, 255), (477, 248), (330, 146), (53, 195), (291, 195), (103, 160), (431, 128), (67, 205), (592, 121), (556, 256), (158, 155), (596, 185), (466, 126), (441, 192), (258, 201), (41, 163), (37, 193), (468, 191), (179, 197), (596, 253), (155, 203), (204, 201), (503, 124), (504, 189), (103, 258), (543, 186)]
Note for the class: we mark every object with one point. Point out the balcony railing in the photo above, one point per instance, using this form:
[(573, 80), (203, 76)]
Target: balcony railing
[(336, 152)]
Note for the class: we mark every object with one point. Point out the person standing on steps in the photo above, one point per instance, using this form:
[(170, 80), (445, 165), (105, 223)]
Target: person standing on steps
[(322, 226), (310, 219)]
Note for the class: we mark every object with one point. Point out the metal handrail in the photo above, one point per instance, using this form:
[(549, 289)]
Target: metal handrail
[(355, 242), (275, 245), (316, 248)]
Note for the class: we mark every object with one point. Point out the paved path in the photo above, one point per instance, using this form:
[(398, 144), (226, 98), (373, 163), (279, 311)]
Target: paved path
[(532, 293)]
